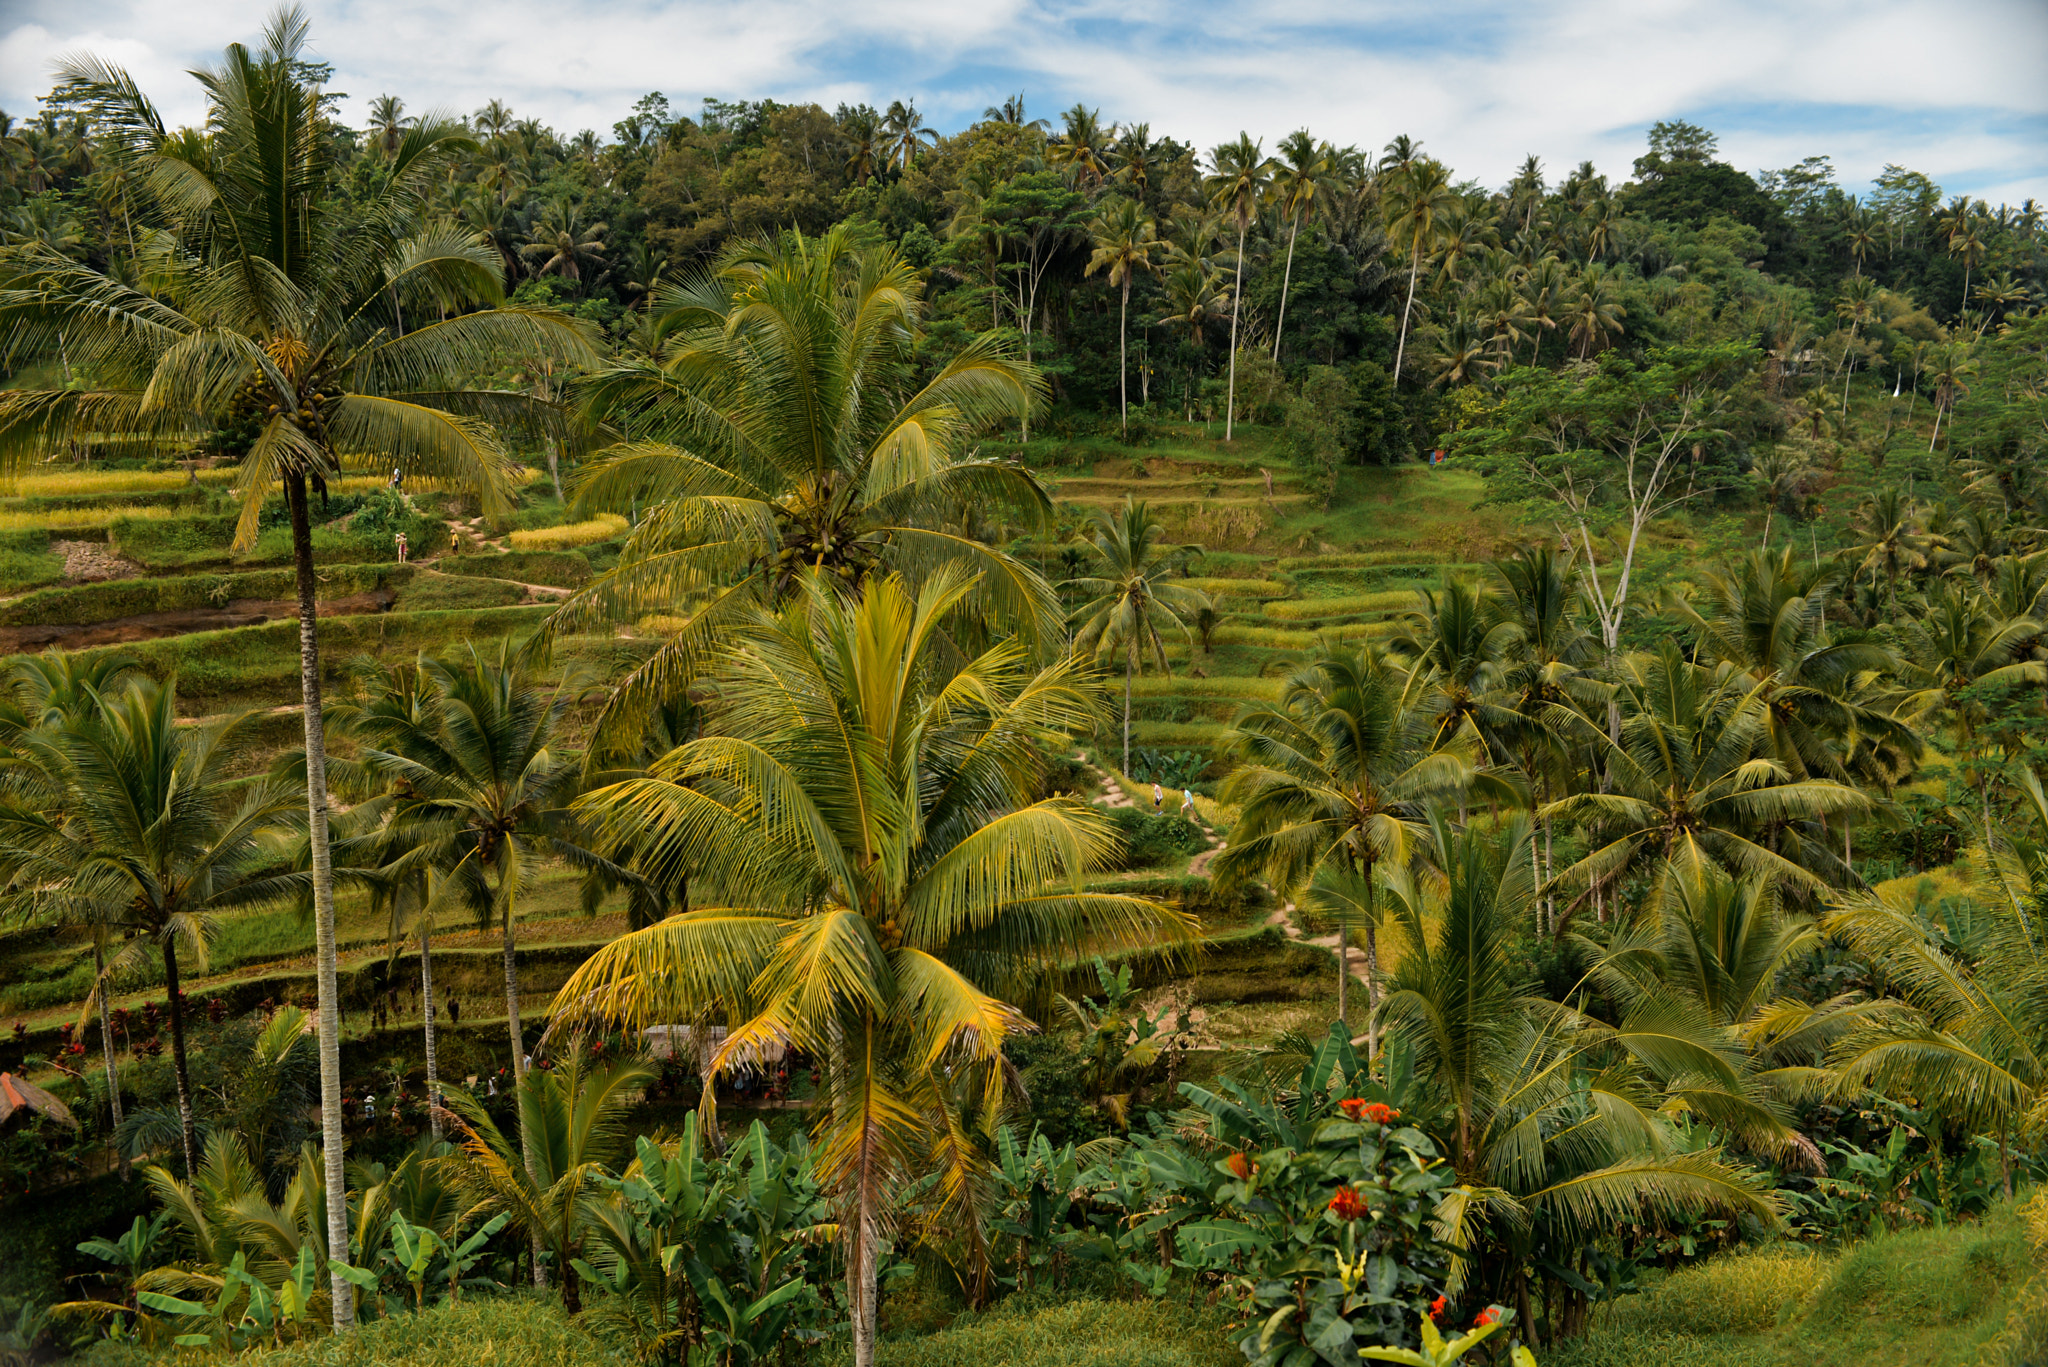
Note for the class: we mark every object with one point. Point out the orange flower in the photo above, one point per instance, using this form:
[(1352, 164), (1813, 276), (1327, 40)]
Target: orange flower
[(1358, 1108), (1348, 1204), (1239, 1164), (1486, 1317), (1437, 1308)]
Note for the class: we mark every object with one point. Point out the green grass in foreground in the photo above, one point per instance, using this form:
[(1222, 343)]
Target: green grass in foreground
[(1924, 1298)]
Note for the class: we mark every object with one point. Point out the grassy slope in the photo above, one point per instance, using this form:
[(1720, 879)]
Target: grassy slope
[(1920, 1298)]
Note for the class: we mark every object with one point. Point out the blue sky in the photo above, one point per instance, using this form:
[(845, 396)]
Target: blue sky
[(1958, 90)]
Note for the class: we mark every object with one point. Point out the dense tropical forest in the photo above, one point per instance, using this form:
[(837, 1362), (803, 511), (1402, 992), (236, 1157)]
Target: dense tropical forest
[(777, 737)]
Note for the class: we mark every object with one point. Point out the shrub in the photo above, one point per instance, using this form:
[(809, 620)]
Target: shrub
[(603, 527), (1154, 837)]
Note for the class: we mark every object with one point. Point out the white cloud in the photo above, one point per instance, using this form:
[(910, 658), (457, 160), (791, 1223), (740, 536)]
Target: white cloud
[(1954, 89)]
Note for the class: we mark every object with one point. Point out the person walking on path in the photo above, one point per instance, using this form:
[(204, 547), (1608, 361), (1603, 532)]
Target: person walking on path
[(1158, 798), (1187, 804), (401, 548)]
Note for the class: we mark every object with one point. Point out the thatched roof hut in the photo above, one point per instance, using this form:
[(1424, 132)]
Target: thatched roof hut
[(21, 1100)]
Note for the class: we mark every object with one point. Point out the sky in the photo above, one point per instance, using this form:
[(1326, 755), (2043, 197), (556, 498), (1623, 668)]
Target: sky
[(1957, 89)]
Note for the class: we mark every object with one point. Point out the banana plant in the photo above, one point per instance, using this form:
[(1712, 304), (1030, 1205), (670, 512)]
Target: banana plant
[(244, 1310), (1035, 1188), (132, 1253), (1437, 1351)]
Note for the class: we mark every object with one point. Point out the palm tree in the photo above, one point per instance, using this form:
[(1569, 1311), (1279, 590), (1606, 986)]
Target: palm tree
[(572, 1127), (565, 245), (481, 788), (151, 841), (1860, 231), (1138, 160), (1236, 187), (1766, 614), (1690, 788), (1890, 539), (771, 439), (263, 313), (1555, 1122), (872, 796), (1967, 1035), (1083, 147), (1593, 310), (1419, 196), (1130, 596), (388, 123), (1126, 238), (46, 692), (1957, 644), (863, 145), (1303, 181), (1332, 780), (904, 135)]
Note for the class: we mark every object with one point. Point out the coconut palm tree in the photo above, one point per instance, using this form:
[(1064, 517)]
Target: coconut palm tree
[(1082, 148), (388, 122), (1304, 179), (1332, 780), (872, 796), (1125, 238), (904, 135), (1692, 785), (565, 245), (1555, 1122), (150, 840), (1130, 597), (572, 1127), (1236, 187), (1766, 614), (480, 790), (264, 314), (1418, 198), (1593, 310), (772, 438), (45, 692)]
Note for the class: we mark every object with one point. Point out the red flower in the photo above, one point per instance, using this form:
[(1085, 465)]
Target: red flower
[(1239, 1164), (1486, 1317), (1348, 1204), (1437, 1308), (1358, 1108)]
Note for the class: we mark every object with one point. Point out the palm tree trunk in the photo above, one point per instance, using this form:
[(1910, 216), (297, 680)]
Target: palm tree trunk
[(1372, 992), (1130, 668), (427, 1016), (99, 963), (332, 1141), (862, 1293), (1123, 382), (1286, 281), (508, 913), (178, 1059), (1236, 298), (1414, 269), (1343, 969)]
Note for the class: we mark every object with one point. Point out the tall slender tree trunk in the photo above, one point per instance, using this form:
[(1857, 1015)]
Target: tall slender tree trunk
[(1344, 970), (332, 1142), (1414, 270), (1130, 668), (1286, 282), (427, 996), (1236, 300), (178, 1058), (99, 963), (1372, 992), (508, 914), (860, 1271), (1123, 381)]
